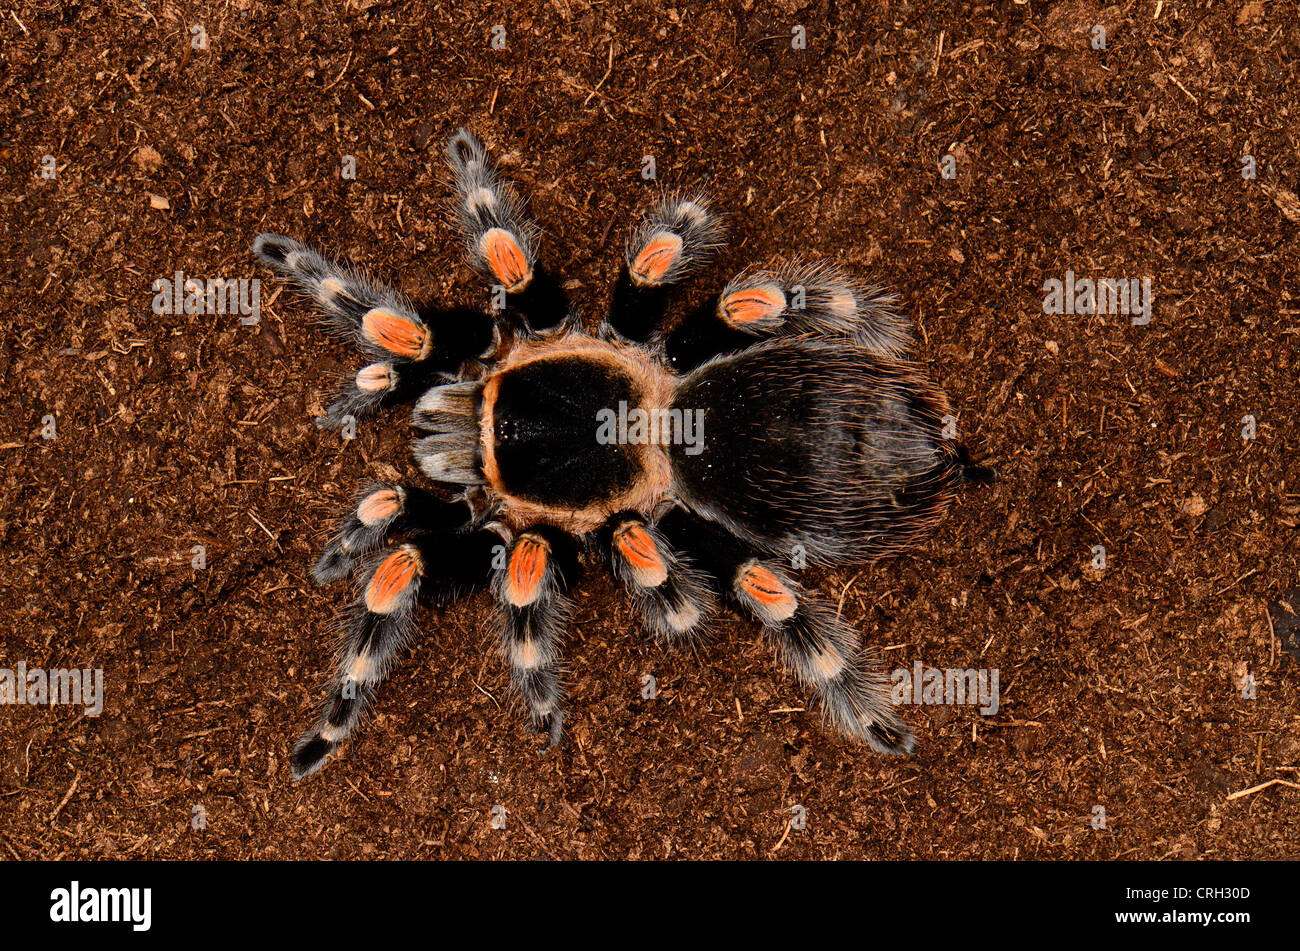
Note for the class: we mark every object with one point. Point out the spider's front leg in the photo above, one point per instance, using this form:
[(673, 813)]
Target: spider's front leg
[(411, 349), (817, 646), (501, 240), (432, 566), (533, 610), (815, 299), (675, 239)]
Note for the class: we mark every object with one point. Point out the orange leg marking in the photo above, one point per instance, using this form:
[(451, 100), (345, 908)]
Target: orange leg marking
[(396, 334), (395, 574), (639, 550), (774, 599), (753, 304), (506, 259), (527, 567), (656, 258)]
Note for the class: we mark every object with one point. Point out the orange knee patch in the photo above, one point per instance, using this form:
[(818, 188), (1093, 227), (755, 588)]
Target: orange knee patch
[(638, 549), (772, 598), (526, 569), (656, 258), (392, 580), (374, 378), (506, 259), (752, 305), (379, 506), (395, 333)]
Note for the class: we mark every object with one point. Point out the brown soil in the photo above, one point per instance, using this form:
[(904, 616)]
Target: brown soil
[(1120, 688)]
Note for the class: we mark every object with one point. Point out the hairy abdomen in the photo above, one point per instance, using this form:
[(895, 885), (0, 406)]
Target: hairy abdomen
[(819, 448)]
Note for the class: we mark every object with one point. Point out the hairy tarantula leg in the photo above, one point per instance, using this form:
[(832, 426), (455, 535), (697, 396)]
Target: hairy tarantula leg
[(381, 511), (819, 648), (675, 239), (672, 596), (817, 299), (533, 609), (796, 298), (499, 236), (382, 322), (435, 567), (412, 349)]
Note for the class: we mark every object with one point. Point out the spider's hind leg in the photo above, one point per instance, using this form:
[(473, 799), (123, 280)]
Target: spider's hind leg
[(533, 610), (822, 651), (817, 646), (675, 239), (411, 349)]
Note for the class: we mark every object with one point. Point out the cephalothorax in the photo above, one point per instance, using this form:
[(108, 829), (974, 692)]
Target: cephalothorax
[(778, 424)]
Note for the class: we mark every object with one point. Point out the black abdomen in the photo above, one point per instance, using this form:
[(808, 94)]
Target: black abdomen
[(817, 446)]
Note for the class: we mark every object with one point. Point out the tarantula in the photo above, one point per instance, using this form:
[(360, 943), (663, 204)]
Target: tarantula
[(778, 422)]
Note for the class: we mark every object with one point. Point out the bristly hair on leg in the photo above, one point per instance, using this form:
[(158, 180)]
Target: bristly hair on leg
[(822, 651), (533, 611), (500, 238), (792, 299), (363, 394), (381, 321), (819, 648), (375, 629), (676, 238), (443, 560), (814, 298), (672, 596)]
